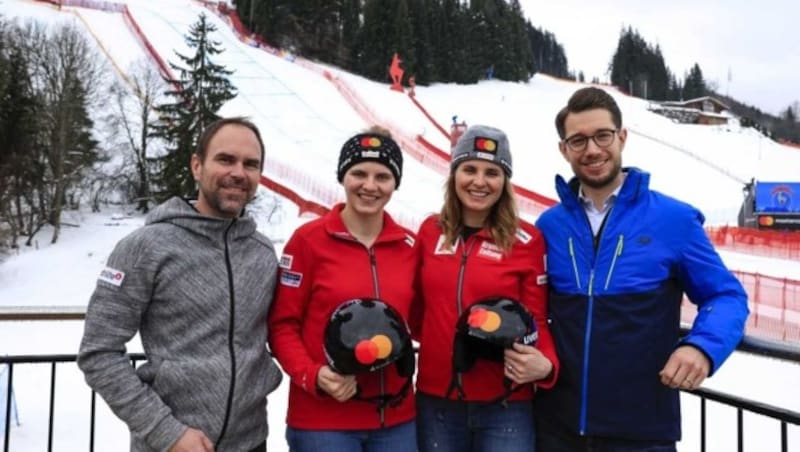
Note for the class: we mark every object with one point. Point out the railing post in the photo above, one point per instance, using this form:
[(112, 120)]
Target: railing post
[(52, 404), (6, 447), (92, 421), (784, 438), (702, 424), (740, 428)]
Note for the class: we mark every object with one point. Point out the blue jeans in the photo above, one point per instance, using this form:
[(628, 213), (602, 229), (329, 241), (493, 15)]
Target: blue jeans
[(399, 438), (454, 426), (551, 437)]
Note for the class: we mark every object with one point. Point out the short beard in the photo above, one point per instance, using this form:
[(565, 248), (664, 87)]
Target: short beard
[(601, 183), (216, 202)]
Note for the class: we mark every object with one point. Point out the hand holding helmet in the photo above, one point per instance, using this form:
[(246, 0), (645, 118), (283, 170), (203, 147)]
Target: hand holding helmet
[(365, 335), (340, 387), (526, 364), (498, 329)]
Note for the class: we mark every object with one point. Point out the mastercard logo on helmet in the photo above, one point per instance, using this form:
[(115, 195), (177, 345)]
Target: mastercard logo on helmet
[(483, 319), (484, 331), (488, 327), (367, 334), (370, 350)]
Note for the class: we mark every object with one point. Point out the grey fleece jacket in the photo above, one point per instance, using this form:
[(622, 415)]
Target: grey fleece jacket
[(197, 289)]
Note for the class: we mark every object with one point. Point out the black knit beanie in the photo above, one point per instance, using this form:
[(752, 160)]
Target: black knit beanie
[(371, 147)]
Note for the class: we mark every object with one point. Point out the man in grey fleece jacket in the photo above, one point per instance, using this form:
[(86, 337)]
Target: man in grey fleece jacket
[(196, 282)]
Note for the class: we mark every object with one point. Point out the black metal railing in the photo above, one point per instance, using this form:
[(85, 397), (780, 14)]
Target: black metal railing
[(10, 361), (778, 350), (781, 351), (784, 416)]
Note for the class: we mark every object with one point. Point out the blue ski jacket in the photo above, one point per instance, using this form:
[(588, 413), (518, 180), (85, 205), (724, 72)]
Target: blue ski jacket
[(614, 309)]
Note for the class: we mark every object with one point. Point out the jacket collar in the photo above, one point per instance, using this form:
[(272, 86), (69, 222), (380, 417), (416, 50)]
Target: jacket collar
[(636, 182), (335, 226), (180, 212)]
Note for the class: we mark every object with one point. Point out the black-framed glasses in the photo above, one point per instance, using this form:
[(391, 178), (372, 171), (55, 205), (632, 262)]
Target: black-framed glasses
[(603, 138)]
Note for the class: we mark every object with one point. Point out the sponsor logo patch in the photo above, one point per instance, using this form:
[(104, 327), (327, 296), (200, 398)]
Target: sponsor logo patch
[(410, 241), (541, 280), (530, 339), (441, 248), (286, 262), (491, 251), (370, 154), (291, 279), (112, 276), (523, 236)]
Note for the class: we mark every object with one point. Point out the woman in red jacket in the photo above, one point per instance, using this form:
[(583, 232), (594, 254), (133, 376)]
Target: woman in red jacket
[(478, 248), (354, 251)]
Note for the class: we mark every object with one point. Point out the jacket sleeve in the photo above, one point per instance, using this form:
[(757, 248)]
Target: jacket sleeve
[(288, 312), (113, 317), (535, 298), (720, 298)]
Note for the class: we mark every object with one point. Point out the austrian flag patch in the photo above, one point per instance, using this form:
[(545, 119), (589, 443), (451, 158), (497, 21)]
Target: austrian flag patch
[(112, 276)]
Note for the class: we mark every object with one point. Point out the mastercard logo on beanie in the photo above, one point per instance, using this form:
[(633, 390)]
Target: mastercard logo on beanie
[(482, 143), (485, 144), (370, 142), (371, 147)]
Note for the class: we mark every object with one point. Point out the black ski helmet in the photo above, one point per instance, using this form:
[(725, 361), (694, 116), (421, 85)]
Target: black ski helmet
[(366, 334), (487, 328)]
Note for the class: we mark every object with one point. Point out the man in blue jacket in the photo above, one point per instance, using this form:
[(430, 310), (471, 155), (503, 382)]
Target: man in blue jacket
[(620, 258)]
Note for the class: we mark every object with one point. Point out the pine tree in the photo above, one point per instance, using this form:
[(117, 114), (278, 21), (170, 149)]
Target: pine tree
[(521, 51), (457, 54), (789, 115), (675, 90), (436, 28), (485, 41), (548, 55), (423, 68), (498, 40), (351, 24), (694, 86), (200, 90), (403, 37), (638, 68), (373, 50)]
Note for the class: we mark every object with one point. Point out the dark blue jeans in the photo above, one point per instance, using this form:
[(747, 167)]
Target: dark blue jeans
[(551, 437), (454, 426), (399, 438)]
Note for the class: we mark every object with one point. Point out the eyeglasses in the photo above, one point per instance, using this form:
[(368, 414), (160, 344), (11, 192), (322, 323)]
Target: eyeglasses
[(603, 138)]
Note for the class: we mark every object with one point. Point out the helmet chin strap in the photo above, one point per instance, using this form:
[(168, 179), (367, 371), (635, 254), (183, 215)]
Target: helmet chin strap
[(509, 388), (383, 401)]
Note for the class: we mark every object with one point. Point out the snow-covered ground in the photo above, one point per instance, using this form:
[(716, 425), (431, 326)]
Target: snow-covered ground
[(304, 120)]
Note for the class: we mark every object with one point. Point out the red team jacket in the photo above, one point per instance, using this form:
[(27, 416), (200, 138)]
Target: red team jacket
[(487, 272), (321, 267)]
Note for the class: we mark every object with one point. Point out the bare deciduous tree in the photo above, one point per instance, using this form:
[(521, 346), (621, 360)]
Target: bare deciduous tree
[(69, 75), (134, 117)]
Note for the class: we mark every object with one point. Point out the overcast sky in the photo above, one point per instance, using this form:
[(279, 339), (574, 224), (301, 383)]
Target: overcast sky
[(759, 41)]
